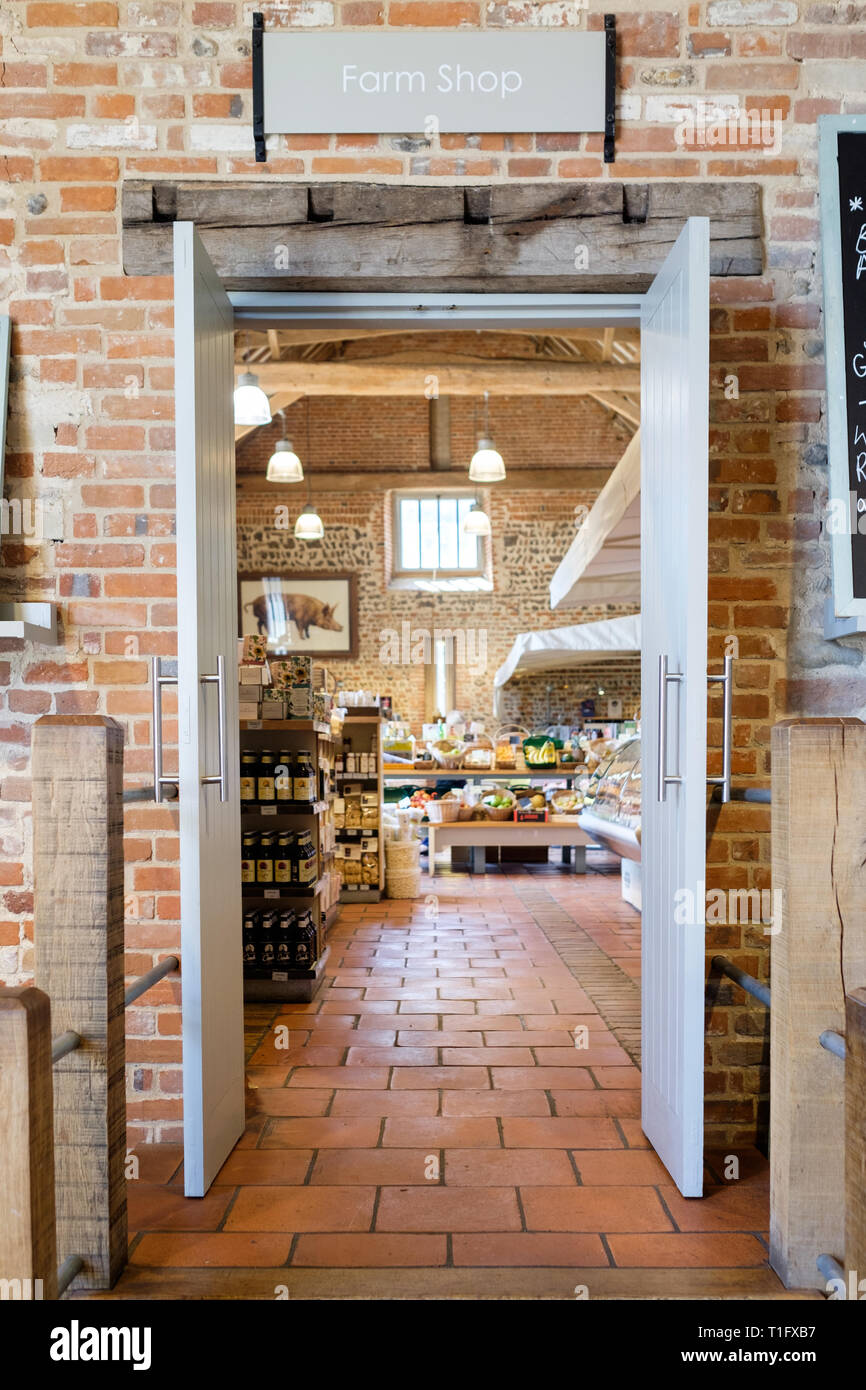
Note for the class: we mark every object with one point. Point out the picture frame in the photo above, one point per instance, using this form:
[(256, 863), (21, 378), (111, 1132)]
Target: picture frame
[(313, 612)]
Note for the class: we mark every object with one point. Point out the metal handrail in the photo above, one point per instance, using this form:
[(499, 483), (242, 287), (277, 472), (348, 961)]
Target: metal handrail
[(144, 982), (170, 793), (742, 978), (833, 1042), (63, 1044), (830, 1268), (72, 1265), (762, 795)]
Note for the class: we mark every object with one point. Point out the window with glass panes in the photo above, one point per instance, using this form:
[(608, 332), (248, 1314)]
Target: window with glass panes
[(430, 534)]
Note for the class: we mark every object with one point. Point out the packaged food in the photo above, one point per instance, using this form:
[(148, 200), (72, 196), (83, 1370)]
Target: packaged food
[(370, 863)]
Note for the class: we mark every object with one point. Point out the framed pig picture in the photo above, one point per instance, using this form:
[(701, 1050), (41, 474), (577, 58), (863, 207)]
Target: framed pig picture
[(314, 613)]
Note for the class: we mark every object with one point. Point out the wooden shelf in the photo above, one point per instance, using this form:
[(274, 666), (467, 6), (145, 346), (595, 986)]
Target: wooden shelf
[(283, 808), (360, 895), (363, 719), (263, 891), (299, 986), (299, 726)]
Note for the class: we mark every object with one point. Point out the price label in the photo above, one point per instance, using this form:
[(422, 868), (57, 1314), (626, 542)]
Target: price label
[(269, 811), (271, 893)]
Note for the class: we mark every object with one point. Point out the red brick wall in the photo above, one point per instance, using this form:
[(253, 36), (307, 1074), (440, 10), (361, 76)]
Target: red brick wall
[(94, 92)]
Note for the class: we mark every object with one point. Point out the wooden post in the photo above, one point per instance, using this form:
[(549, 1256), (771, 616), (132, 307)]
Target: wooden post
[(855, 1142), (77, 770), (818, 950), (28, 1257)]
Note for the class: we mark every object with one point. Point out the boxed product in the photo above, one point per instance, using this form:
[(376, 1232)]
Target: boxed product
[(369, 810), (253, 648), (339, 813), (273, 706), (252, 675), (292, 672), (354, 818), (249, 709)]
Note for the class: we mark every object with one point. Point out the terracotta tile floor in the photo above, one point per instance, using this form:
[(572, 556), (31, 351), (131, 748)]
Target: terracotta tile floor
[(431, 1109)]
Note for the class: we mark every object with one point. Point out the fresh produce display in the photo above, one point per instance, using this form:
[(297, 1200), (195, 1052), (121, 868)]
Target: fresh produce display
[(498, 800), (540, 751)]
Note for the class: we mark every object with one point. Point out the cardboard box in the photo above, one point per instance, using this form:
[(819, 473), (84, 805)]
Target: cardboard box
[(253, 648), (251, 675), (248, 710)]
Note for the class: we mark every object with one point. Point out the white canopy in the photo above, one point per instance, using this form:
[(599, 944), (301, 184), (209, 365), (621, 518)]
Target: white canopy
[(561, 647), (603, 560)]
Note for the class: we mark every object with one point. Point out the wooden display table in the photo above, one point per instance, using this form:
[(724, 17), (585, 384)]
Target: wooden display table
[(479, 834)]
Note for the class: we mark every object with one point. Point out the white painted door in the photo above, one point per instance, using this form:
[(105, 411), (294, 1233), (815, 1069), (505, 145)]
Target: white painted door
[(674, 430), (210, 894)]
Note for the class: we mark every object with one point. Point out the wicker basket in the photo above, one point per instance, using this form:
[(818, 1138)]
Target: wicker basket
[(401, 855), (500, 812), (403, 883), (479, 755), (451, 761), (441, 812)]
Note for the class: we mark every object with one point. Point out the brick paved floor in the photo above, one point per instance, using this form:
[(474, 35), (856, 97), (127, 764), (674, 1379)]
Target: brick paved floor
[(455, 1098)]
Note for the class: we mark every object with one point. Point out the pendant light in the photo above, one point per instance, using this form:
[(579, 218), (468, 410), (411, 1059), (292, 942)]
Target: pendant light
[(476, 522), (284, 466), (308, 526), (487, 465), (252, 406)]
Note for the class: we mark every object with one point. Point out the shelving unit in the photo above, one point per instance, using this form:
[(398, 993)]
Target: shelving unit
[(321, 897), (362, 734)]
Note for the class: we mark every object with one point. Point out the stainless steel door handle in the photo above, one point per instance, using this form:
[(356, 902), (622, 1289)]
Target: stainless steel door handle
[(219, 778), (726, 680), (158, 680), (665, 779)]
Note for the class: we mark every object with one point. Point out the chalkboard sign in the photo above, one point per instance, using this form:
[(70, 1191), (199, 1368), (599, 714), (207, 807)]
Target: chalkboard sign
[(843, 226)]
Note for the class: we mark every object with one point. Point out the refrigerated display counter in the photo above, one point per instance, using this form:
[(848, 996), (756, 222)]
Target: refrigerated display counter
[(611, 814)]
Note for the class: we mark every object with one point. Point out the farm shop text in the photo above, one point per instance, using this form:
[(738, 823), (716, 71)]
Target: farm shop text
[(449, 77)]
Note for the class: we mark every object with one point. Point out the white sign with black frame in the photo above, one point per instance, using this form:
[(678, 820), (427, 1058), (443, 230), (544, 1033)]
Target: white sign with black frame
[(433, 81)]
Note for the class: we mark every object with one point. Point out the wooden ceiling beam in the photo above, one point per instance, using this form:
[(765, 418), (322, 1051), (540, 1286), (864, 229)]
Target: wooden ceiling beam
[(361, 481), (278, 401), (542, 378)]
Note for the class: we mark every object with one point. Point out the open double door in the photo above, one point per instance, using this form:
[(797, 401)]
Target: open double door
[(674, 317)]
